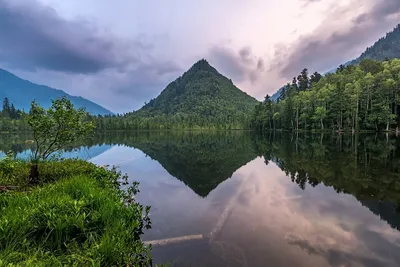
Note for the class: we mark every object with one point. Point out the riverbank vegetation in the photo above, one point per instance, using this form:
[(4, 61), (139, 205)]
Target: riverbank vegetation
[(364, 97), (79, 216), (56, 212)]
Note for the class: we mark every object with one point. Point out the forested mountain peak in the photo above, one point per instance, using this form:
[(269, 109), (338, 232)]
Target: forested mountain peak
[(201, 93), (387, 47), (203, 65)]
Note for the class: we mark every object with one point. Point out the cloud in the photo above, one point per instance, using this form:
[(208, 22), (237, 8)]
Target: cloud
[(344, 34), (80, 58), (118, 91), (36, 37), (336, 256), (239, 65)]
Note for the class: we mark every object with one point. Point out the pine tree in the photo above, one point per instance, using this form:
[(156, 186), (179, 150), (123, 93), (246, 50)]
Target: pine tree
[(13, 112), (315, 78), (6, 107), (303, 82)]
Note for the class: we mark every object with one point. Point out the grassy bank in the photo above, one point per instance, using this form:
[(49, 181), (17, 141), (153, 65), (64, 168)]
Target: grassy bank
[(76, 216)]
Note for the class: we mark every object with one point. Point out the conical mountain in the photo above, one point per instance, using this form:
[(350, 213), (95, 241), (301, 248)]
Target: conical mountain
[(201, 91)]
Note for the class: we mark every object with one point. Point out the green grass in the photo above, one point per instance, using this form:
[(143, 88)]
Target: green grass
[(15, 172), (78, 216)]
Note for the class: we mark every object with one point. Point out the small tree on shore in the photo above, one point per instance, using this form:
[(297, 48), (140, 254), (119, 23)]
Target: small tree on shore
[(55, 129)]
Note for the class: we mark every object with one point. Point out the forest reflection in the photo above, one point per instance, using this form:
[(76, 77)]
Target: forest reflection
[(365, 166)]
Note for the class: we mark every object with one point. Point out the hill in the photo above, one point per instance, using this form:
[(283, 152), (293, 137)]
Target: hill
[(21, 92), (201, 93)]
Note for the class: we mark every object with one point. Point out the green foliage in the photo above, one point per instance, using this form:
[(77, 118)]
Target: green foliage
[(7, 168), (201, 98), (81, 220), (11, 119), (362, 97), (58, 127)]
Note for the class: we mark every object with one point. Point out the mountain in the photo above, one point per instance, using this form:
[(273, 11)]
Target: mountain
[(387, 47), (21, 92), (201, 91), (275, 96)]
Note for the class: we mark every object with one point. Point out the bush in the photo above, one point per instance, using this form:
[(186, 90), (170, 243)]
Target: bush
[(80, 221)]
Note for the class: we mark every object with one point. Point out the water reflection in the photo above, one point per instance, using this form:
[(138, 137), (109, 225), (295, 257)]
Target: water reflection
[(367, 167), (274, 200)]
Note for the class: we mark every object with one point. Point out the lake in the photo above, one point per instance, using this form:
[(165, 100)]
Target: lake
[(234, 199)]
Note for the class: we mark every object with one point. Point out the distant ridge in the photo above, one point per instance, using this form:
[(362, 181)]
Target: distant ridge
[(21, 92)]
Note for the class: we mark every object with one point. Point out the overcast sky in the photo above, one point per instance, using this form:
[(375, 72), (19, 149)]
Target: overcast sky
[(123, 53)]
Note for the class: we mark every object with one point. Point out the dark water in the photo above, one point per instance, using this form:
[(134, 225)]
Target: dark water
[(234, 199)]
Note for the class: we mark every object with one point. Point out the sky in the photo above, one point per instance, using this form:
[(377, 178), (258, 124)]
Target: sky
[(120, 54)]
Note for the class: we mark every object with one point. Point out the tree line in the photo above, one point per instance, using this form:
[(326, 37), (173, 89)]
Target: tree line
[(355, 98), (169, 122), (11, 119)]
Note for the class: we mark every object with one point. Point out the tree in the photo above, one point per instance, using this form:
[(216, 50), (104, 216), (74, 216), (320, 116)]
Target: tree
[(320, 114), (6, 107), (303, 81), (315, 78), (294, 83), (13, 112), (340, 68), (55, 129)]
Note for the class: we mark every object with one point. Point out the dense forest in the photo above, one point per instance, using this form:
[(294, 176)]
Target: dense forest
[(355, 98)]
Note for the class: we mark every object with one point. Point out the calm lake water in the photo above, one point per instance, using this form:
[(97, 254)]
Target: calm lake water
[(232, 199)]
